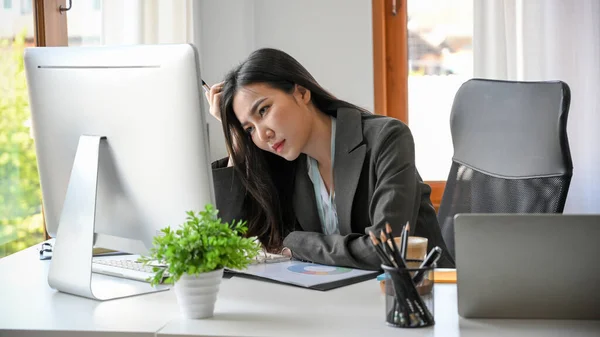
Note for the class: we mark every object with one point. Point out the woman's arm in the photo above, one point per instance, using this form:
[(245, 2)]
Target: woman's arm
[(229, 191), (395, 199)]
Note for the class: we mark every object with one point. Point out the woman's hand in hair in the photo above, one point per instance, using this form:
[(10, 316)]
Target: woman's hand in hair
[(214, 98)]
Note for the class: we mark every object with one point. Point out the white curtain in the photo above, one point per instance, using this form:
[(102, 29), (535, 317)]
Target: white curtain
[(533, 40), (147, 21)]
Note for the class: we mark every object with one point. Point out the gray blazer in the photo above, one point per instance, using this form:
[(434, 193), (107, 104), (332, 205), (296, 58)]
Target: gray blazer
[(376, 182)]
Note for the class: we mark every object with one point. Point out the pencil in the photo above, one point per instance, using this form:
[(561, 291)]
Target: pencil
[(388, 251), (392, 243), (379, 251)]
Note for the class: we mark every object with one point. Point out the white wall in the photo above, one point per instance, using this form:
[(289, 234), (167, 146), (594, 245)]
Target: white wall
[(332, 39)]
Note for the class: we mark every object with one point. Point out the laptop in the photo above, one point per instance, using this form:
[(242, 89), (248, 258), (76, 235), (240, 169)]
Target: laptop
[(544, 266)]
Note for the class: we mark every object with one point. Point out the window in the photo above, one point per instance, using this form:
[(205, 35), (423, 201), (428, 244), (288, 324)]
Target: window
[(26, 6), (440, 59), (422, 54), (7, 4), (84, 24), (21, 222)]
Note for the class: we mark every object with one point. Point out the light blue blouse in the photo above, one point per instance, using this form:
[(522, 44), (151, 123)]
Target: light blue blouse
[(325, 202)]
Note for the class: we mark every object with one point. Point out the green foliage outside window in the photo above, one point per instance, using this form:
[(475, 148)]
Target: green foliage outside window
[(21, 223)]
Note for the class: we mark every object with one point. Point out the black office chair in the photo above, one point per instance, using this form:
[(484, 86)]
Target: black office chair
[(511, 152)]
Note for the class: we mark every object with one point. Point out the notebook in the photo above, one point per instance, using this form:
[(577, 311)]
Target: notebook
[(305, 274)]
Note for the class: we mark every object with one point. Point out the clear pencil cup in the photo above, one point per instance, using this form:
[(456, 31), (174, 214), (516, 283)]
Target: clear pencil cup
[(409, 296)]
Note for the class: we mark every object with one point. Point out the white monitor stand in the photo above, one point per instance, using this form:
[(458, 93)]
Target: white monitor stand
[(71, 265)]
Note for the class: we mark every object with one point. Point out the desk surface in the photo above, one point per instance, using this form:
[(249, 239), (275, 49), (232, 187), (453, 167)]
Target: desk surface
[(28, 304), (244, 308)]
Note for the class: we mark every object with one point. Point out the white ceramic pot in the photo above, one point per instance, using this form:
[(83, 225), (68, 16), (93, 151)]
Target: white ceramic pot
[(197, 294)]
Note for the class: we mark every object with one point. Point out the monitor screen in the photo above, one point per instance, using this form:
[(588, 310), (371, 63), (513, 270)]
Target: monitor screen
[(153, 165)]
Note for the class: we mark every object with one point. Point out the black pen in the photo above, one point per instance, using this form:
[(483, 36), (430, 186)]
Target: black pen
[(205, 86), (433, 256), (404, 245)]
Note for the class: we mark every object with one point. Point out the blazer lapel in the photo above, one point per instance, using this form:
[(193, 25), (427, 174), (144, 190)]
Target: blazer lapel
[(305, 204), (349, 157)]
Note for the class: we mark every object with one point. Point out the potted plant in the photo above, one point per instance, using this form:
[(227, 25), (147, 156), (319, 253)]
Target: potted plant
[(195, 255)]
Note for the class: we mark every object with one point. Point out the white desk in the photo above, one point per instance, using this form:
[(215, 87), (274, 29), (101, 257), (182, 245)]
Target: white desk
[(244, 308), (255, 308), (29, 307)]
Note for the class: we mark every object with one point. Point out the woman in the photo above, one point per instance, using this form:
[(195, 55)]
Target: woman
[(310, 173)]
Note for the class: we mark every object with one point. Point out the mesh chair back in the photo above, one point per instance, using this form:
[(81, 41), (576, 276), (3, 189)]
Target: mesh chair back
[(511, 151)]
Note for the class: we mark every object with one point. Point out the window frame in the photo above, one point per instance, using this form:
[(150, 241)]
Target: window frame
[(390, 69), (50, 23)]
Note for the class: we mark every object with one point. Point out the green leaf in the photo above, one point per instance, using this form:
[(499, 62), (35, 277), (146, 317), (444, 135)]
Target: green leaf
[(202, 243)]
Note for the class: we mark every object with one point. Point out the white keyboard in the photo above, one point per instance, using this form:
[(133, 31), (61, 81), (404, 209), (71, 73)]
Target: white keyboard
[(270, 258), (125, 267)]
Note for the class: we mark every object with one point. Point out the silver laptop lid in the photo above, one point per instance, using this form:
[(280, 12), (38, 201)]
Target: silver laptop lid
[(528, 266)]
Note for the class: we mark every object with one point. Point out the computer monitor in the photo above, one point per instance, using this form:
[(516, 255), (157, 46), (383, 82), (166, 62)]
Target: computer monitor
[(134, 114)]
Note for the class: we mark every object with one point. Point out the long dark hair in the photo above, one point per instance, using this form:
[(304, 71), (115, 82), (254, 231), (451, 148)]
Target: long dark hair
[(268, 178)]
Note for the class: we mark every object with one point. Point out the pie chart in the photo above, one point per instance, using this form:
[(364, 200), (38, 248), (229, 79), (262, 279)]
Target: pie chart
[(312, 269)]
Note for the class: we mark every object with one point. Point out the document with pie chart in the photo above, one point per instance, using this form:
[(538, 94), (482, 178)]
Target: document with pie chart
[(306, 274)]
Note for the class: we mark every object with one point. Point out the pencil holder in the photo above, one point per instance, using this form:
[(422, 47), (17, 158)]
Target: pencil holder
[(405, 305), (423, 287)]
